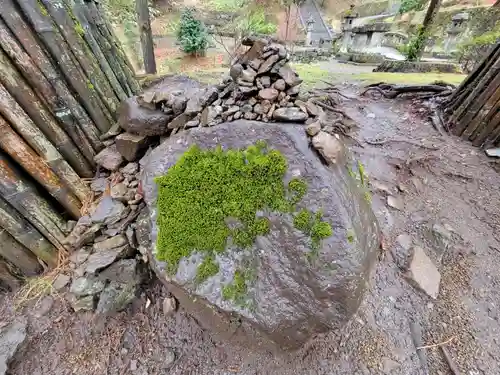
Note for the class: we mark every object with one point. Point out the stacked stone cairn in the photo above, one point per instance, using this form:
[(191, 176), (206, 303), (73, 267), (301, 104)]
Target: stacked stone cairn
[(107, 262)]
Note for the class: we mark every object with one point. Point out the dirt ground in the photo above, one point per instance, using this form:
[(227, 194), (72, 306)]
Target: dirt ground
[(440, 180)]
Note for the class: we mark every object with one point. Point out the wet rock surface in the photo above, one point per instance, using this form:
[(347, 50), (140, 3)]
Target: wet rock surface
[(282, 269), (12, 337)]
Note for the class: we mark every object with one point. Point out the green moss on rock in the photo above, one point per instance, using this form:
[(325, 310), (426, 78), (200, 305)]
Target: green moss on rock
[(211, 198), (237, 289)]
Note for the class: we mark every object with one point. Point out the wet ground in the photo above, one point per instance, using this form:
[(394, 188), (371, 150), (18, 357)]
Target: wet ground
[(441, 181)]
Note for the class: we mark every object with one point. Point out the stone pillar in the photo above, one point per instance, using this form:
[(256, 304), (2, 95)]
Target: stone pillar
[(455, 31), (347, 25), (309, 29)]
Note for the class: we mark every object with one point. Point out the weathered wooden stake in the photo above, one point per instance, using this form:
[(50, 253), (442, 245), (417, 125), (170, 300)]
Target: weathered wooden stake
[(18, 255), (146, 34)]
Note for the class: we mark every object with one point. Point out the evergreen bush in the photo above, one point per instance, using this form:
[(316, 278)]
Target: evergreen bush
[(192, 34)]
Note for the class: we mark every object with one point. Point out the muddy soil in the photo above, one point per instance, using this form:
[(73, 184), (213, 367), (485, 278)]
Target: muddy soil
[(439, 179)]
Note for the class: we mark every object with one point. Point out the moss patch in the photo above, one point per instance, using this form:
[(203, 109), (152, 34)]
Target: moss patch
[(210, 199)]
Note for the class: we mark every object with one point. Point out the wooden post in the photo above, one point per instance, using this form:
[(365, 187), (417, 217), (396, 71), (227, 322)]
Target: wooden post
[(146, 34), (24, 155), (26, 234), (18, 255), (61, 53), (16, 190), (26, 37), (17, 117)]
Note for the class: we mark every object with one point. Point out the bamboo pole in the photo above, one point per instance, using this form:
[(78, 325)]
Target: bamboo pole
[(88, 35), (24, 155), (26, 234), (18, 255), (72, 32), (16, 190), (6, 276), (96, 18), (494, 136), (481, 122), (113, 57), (25, 127), (31, 45), (29, 101), (148, 52), (45, 91), (56, 45)]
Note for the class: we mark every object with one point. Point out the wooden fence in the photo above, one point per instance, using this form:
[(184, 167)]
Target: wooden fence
[(63, 75)]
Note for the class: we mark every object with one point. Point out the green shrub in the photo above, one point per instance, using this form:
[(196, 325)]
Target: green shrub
[(192, 34), (255, 22), (409, 5)]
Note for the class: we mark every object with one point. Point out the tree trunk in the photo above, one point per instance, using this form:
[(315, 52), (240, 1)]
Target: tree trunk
[(424, 31), (144, 23)]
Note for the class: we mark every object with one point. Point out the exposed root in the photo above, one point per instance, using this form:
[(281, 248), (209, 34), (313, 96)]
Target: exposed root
[(385, 141), (392, 91)]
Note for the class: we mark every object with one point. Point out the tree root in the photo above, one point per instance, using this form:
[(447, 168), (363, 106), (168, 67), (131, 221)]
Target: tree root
[(384, 141), (392, 91)]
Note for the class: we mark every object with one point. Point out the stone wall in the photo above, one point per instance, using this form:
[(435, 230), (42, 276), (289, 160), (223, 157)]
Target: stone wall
[(416, 67)]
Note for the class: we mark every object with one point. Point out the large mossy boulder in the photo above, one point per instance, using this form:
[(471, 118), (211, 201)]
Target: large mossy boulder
[(247, 223)]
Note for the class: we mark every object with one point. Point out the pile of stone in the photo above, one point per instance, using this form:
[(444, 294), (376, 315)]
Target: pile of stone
[(105, 261)]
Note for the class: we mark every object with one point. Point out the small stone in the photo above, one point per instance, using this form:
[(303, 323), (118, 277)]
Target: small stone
[(395, 202), (115, 297), (247, 108), (235, 71), (271, 111), (208, 115), (268, 64), (180, 121), (229, 102), (266, 81), (104, 258), (109, 158), (233, 109), (192, 124), (258, 109), (244, 83), (291, 78), (120, 191), (169, 357), (84, 286), (99, 185), (86, 303), (252, 101), (292, 114), (370, 115), (237, 115), (250, 116), (404, 240), (313, 129), (12, 337), (123, 271), (280, 85), (281, 96), (169, 306), (380, 186), (268, 94), (130, 146), (133, 365), (248, 75), (60, 281), (130, 169), (108, 210), (248, 90), (133, 184), (255, 63), (110, 243), (329, 147), (80, 256), (312, 108), (423, 273), (108, 142)]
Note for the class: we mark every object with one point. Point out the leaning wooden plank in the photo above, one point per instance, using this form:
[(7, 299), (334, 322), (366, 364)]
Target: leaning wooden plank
[(484, 117), (21, 122), (45, 91), (494, 136), (6, 277), (26, 234), (111, 57), (86, 32), (24, 155), (23, 196), (32, 47), (18, 255), (29, 101), (106, 30), (72, 31), (60, 52)]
